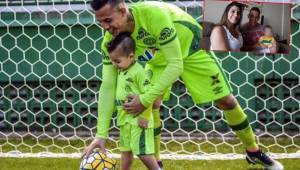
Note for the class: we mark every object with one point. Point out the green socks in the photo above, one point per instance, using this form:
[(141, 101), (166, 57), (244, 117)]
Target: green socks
[(238, 122), (157, 129)]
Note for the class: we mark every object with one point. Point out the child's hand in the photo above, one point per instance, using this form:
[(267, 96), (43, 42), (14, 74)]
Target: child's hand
[(143, 123), (263, 46)]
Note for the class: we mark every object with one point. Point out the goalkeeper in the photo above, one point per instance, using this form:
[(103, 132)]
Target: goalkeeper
[(176, 39)]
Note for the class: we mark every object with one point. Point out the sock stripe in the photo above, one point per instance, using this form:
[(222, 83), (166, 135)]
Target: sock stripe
[(240, 126), (157, 130)]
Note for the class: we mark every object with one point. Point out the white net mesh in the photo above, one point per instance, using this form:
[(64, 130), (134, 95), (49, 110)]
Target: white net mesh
[(50, 73)]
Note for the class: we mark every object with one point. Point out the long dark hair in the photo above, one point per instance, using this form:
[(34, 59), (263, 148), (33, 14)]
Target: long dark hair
[(223, 20)]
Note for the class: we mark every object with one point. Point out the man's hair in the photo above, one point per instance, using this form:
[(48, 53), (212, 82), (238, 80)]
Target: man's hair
[(223, 20), (98, 4), (255, 9), (123, 40)]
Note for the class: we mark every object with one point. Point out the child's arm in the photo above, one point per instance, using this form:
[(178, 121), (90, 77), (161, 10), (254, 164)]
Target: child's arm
[(260, 44), (274, 47), (143, 82)]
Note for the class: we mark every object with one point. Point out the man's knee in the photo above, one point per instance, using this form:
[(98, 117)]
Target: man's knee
[(227, 102)]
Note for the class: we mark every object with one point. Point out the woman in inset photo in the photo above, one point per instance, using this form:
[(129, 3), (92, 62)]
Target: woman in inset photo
[(225, 35)]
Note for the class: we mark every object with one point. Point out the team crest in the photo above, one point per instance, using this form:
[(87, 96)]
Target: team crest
[(128, 88), (150, 73)]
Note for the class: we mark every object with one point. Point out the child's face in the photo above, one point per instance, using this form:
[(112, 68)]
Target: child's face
[(268, 32), (121, 60)]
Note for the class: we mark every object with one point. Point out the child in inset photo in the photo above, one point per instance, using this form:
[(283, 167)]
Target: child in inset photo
[(267, 42)]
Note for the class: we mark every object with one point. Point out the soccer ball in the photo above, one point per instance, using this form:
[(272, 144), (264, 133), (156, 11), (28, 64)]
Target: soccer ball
[(97, 161)]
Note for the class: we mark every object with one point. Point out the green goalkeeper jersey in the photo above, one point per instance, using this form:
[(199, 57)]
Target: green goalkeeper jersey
[(132, 81), (160, 27)]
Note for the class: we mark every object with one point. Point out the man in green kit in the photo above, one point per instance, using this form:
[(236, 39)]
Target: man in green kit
[(168, 40)]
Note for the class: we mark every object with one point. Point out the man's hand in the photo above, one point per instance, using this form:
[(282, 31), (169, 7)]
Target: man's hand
[(96, 143), (274, 48), (143, 123), (134, 106)]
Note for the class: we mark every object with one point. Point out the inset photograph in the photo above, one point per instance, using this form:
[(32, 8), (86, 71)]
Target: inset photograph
[(259, 27)]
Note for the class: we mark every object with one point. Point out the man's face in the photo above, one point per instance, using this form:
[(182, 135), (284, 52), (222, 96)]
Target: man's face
[(112, 19), (253, 17)]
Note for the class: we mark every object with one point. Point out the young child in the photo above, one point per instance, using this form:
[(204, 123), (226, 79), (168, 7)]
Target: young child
[(136, 131), (267, 41)]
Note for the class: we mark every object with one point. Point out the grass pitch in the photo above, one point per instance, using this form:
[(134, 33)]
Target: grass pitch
[(73, 164)]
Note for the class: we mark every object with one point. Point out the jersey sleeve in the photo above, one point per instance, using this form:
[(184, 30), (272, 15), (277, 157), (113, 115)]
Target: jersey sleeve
[(163, 29), (106, 103), (143, 83)]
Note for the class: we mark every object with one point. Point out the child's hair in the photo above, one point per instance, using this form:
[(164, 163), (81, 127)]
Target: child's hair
[(124, 41), (267, 26)]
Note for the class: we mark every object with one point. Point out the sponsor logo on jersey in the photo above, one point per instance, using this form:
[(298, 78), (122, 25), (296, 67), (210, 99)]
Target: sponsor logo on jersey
[(166, 33), (147, 39), (142, 33)]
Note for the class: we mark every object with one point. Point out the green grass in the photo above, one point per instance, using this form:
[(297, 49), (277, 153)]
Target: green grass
[(32, 145), (73, 164), (185, 147)]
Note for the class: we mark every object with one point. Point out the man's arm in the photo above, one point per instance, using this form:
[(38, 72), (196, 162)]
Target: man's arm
[(106, 103), (168, 43)]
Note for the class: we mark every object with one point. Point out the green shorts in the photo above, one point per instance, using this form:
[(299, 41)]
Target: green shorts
[(202, 76), (139, 141)]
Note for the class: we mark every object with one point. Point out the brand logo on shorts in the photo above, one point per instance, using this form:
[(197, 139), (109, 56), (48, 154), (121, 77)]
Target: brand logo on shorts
[(218, 90), (215, 79)]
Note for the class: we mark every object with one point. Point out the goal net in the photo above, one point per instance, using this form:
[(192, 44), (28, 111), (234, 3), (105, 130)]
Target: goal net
[(50, 74)]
